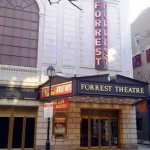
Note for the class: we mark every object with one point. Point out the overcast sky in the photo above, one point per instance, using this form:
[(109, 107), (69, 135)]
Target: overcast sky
[(136, 6)]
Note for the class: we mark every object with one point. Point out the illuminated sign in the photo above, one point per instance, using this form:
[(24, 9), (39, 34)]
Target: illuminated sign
[(57, 90), (101, 39), (108, 89), (63, 104), (142, 107)]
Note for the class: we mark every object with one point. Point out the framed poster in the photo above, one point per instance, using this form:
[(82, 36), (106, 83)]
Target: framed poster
[(59, 126)]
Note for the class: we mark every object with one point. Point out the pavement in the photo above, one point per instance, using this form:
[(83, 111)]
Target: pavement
[(143, 147)]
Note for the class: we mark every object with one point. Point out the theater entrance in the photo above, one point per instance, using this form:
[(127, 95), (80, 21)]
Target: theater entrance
[(99, 129)]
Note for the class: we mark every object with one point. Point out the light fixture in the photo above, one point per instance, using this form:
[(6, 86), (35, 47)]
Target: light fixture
[(50, 71), (112, 78)]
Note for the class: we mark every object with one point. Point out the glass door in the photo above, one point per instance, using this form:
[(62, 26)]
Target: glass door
[(104, 132), (84, 133), (114, 132), (99, 131), (94, 133)]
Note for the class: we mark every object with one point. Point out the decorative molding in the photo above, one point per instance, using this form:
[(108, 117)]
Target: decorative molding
[(15, 75)]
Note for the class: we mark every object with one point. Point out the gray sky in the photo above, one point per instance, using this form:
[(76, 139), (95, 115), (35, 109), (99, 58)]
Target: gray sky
[(136, 6)]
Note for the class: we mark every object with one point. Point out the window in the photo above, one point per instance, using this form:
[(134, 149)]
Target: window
[(4, 128), (137, 61), (148, 55), (17, 132), (19, 23), (17, 127), (137, 40), (29, 132)]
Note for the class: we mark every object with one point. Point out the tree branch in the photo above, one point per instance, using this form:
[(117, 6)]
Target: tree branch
[(71, 1), (74, 4)]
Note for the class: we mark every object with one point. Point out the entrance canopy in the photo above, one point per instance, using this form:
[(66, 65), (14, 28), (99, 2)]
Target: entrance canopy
[(98, 89)]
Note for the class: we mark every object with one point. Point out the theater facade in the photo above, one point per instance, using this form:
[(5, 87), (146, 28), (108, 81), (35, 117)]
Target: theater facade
[(91, 110), (94, 112)]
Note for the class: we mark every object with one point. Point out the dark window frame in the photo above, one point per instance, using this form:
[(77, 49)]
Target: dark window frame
[(137, 61), (148, 55)]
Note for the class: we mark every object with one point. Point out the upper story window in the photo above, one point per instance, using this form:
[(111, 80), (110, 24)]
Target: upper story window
[(19, 25), (137, 61), (148, 55), (137, 41)]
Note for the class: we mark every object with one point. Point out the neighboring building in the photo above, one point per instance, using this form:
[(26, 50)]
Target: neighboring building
[(91, 48), (140, 33)]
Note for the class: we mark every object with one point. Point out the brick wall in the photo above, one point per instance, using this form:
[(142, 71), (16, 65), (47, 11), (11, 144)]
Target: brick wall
[(127, 127)]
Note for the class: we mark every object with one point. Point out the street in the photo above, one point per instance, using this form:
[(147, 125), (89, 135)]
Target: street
[(144, 147)]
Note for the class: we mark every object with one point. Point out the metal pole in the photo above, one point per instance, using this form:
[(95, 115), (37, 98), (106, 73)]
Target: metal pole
[(48, 123)]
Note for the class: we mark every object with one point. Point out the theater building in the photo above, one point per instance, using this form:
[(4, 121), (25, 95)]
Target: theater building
[(89, 44), (94, 111), (141, 70)]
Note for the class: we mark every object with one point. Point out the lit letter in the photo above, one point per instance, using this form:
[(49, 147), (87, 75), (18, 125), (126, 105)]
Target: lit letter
[(105, 32), (97, 4), (97, 23), (98, 61), (97, 13), (98, 51), (98, 41), (97, 32)]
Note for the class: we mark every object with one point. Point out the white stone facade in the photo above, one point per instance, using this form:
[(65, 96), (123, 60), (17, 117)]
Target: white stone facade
[(66, 40), (141, 27)]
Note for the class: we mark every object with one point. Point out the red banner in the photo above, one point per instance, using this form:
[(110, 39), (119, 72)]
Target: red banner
[(57, 90), (63, 104)]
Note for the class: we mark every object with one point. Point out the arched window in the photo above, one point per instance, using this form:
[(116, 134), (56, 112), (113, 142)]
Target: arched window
[(19, 25)]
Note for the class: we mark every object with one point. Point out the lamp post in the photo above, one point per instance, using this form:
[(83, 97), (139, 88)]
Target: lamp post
[(50, 74)]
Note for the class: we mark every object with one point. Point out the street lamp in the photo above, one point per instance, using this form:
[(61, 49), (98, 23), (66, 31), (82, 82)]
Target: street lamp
[(50, 74)]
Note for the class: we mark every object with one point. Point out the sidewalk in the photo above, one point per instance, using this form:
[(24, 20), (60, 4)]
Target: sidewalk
[(143, 147), (144, 143)]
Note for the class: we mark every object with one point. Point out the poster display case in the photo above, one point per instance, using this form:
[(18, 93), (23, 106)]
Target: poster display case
[(59, 126)]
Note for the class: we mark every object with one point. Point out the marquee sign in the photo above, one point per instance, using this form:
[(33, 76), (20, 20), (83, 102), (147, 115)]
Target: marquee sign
[(101, 41), (97, 86), (57, 90), (108, 89)]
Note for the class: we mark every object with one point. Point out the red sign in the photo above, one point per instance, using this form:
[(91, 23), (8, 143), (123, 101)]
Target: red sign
[(61, 105), (101, 39), (57, 90), (142, 107)]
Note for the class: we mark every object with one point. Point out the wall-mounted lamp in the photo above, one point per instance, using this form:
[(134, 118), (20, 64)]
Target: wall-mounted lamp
[(112, 78)]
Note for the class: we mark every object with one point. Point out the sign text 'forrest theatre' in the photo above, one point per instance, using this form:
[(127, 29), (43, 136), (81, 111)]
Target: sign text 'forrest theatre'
[(101, 39)]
